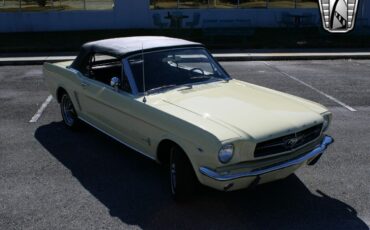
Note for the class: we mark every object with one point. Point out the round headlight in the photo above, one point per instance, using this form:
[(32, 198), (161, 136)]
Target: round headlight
[(226, 153), (325, 125)]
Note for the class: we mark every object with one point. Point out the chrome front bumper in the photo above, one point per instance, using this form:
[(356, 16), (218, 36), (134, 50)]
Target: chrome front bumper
[(316, 153)]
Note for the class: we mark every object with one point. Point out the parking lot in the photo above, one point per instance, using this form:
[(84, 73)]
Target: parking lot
[(54, 178)]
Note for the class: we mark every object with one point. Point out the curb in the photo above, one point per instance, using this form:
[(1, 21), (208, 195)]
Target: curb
[(33, 60), (290, 56), (219, 56)]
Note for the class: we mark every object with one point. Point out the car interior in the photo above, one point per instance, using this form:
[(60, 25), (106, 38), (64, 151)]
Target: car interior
[(103, 68), (161, 69)]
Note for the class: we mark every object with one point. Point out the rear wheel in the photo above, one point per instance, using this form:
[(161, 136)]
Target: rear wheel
[(182, 176), (68, 112)]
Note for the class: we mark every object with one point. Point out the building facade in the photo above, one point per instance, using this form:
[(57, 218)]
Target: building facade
[(69, 15)]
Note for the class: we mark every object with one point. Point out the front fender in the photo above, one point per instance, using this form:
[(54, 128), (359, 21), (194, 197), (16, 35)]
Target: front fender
[(199, 152)]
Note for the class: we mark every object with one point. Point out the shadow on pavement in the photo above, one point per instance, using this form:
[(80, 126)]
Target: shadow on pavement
[(135, 189)]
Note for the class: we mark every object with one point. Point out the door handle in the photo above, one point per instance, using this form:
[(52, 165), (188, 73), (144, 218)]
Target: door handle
[(84, 84)]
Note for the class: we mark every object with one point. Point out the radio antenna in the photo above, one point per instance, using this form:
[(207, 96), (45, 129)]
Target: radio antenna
[(143, 65)]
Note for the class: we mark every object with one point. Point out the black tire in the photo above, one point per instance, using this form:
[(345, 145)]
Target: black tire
[(183, 180), (68, 112)]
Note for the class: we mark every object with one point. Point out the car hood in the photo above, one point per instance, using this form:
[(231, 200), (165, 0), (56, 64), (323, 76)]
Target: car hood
[(246, 110)]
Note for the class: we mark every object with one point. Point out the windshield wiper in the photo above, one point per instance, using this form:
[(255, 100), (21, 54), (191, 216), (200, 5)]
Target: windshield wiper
[(202, 77), (163, 87), (210, 77), (185, 87)]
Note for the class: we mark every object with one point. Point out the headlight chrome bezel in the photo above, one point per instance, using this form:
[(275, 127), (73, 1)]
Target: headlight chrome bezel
[(326, 123), (226, 153)]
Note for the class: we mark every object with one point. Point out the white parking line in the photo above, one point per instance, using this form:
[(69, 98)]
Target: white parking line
[(313, 88), (41, 109)]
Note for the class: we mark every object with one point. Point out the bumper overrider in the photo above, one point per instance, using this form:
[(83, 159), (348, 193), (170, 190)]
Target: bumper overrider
[(311, 158)]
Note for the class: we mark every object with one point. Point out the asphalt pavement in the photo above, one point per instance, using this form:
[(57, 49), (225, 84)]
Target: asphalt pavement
[(54, 178)]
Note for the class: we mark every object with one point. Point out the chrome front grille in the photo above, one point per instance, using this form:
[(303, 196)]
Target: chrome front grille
[(288, 143)]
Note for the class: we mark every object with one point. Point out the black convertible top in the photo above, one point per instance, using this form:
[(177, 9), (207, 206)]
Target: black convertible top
[(123, 47)]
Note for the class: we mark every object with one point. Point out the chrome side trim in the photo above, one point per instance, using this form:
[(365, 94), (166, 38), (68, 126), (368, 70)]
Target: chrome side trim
[(257, 172), (122, 142)]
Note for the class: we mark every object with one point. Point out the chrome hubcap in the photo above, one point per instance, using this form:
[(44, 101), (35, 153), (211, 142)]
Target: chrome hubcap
[(69, 113), (173, 177)]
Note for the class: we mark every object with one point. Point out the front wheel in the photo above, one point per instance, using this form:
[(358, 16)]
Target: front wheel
[(68, 112), (182, 177)]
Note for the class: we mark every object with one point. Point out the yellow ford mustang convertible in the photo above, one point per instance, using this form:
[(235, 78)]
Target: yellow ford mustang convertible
[(171, 101)]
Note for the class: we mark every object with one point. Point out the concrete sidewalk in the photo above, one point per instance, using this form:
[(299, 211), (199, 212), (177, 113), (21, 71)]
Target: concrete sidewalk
[(221, 56)]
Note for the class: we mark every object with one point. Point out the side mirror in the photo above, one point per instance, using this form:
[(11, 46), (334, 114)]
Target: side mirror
[(115, 82)]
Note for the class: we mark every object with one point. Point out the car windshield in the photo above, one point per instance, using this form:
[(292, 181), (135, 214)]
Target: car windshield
[(171, 68)]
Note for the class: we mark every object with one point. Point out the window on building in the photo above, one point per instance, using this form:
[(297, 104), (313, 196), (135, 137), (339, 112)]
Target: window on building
[(52, 5), (307, 3), (99, 4), (164, 4), (9, 5), (38, 5), (193, 3), (252, 3), (223, 3), (73, 4), (281, 3), (230, 4)]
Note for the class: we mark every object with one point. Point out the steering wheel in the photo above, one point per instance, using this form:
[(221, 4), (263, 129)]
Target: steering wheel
[(196, 71)]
